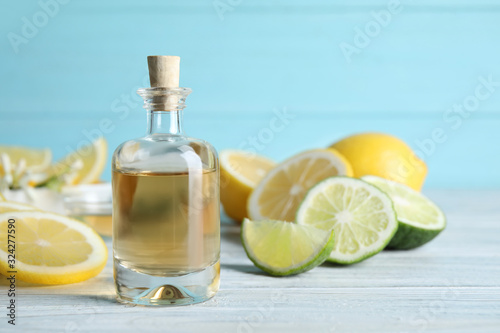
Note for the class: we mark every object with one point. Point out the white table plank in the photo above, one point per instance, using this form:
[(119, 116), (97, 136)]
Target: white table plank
[(449, 285)]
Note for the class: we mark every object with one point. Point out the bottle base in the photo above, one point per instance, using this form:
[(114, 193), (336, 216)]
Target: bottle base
[(133, 287)]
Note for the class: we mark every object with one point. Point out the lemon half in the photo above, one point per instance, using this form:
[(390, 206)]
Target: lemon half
[(279, 194), (241, 171), (49, 248)]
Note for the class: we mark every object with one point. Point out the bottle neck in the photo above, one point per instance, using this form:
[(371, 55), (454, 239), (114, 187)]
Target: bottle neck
[(165, 122), (164, 107)]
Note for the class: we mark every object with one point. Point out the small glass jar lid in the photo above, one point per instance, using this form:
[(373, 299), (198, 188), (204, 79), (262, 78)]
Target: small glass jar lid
[(90, 199)]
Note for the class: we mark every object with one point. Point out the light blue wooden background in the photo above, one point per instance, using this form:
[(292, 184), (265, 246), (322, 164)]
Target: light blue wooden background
[(85, 62)]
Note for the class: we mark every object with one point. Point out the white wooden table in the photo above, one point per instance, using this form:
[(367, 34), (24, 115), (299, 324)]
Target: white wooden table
[(449, 285)]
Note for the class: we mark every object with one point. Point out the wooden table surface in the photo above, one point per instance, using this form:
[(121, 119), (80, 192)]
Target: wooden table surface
[(449, 285)]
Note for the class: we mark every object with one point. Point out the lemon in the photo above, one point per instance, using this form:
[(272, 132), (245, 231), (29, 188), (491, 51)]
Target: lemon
[(279, 194), (361, 215), (10, 206), (50, 248), (37, 160), (385, 156), (240, 171), (420, 220), (92, 158), (2, 198), (282, 248)]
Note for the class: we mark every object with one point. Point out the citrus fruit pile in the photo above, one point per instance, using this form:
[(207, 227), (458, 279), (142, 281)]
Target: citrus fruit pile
[(43, 247), (85, 163), (341, 204)]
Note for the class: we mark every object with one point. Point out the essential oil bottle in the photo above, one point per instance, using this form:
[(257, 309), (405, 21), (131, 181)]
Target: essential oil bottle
[(166, 220)]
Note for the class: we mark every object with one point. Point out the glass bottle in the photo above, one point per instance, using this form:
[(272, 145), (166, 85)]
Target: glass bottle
[(166, 222)]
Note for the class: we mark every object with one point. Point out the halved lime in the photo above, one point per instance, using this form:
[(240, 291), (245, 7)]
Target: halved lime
[(361, 215), (283, 248), (420, 220)]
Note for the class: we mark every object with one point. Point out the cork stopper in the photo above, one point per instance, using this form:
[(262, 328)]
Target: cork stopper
[(164, 71)]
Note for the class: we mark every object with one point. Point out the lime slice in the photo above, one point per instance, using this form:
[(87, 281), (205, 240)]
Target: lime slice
[(361, 215), (420, 220), (283, 248)]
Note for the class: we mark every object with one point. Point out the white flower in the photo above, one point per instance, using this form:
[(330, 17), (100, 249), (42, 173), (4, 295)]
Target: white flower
[(19, 176), (7, 177), (72, 172), (14, 176)]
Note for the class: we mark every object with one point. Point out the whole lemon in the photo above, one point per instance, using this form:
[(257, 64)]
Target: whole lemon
[(383, 155)]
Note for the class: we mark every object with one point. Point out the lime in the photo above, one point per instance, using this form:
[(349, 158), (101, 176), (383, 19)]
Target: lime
[(361, 215), (420, 220), (283, 248)]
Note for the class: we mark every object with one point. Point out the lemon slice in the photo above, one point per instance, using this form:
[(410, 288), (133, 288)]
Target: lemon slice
[(49, 248), (420, 220), (279, 194), (37, 160), (362, 216), (283, 248), (9, 206), (93, 159), (241, 171)]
